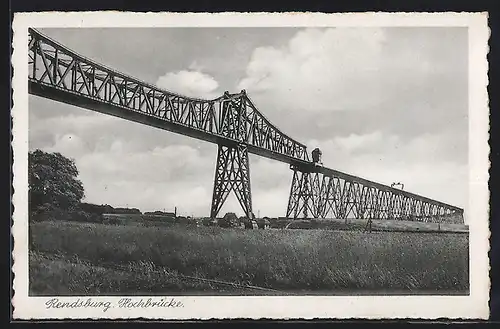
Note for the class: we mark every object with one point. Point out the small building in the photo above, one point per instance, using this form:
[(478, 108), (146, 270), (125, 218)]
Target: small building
[(161, 215), (263, 223)]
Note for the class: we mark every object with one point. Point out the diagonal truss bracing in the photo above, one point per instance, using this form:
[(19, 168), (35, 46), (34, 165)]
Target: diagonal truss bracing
[(233, 123), (320, 193), (58, 73), (232, 173)]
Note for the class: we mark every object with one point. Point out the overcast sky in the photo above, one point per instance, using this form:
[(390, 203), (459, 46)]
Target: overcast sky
[(388, 105)]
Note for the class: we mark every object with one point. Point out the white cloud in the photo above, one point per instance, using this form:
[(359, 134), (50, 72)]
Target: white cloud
[(182, 176), (190, 83), (419, 163), (272, 202), (345, 69), (72, 123), (70, 145), (318, 68), (384, 104), (355, 142), (194, 66), (175, 175)]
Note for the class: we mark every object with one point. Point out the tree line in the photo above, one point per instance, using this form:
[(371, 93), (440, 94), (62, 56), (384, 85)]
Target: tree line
[(107, 209), (55, 192)]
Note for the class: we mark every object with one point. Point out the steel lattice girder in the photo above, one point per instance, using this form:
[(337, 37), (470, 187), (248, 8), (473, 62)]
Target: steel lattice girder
[(232, 173), (59, 73), (316, 195)]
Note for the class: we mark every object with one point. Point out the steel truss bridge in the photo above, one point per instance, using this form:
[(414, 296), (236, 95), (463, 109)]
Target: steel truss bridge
[(234, 123)]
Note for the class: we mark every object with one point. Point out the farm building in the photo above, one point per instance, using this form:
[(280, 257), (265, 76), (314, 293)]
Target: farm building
[(263, 223)]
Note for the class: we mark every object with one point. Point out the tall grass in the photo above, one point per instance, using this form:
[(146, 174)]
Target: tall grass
[(287, 260), (59, 276)]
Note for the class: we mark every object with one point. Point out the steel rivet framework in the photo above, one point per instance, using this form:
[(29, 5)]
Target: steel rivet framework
[(233, 123), (232, 173), (318, 192), (58, 73)]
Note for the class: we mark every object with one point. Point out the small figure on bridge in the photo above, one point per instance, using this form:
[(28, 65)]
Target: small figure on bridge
[(316, 156), (401, 185)]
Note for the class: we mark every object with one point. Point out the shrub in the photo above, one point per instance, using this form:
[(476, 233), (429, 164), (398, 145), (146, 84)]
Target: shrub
[(113, 220), (83, 216)]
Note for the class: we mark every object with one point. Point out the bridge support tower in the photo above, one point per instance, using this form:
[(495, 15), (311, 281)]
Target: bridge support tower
[(305, 194), (232, 173)]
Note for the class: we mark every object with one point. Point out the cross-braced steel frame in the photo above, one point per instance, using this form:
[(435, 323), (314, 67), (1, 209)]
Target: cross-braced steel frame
[(304, 196), (232, 173), (60, 74), (319, 193)]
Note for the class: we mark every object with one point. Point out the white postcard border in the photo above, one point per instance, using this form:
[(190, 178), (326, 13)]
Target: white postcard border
[(306, 307)]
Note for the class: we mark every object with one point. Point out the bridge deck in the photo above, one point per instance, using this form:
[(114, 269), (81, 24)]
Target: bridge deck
[(60, 74)]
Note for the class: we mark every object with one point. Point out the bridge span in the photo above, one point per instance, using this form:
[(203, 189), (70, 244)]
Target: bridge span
[(233, 122)]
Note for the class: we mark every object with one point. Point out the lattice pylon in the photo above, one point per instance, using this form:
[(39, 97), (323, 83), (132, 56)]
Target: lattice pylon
[(303, 195), (232, 173)]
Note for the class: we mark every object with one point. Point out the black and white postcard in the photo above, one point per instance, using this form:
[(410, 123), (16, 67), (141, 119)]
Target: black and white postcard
[(210, 166)]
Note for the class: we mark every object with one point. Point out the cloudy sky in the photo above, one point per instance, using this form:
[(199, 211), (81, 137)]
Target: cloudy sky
[(388, 105)]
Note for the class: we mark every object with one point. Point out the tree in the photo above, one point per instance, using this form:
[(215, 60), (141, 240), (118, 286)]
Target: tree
[(53, 182)]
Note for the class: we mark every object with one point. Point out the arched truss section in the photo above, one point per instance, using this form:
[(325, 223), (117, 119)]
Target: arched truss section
[(59, 73), (231, 121)]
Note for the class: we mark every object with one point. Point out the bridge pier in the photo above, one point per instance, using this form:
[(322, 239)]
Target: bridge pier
[(56, 72), (316, 195), (232, 173), (305, 195)]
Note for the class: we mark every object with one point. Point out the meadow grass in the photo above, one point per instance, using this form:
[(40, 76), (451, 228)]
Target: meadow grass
[(307, 261), (52, 275)]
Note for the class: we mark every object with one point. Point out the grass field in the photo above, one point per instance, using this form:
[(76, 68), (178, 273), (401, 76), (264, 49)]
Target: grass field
[(325, 224), (92, 259), (377, 225)]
